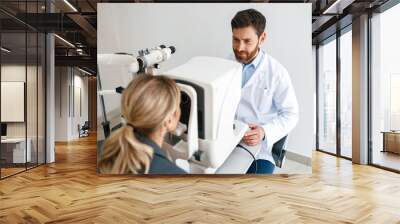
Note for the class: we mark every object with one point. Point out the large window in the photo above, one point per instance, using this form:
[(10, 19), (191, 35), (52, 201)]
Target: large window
[(346, 93), (335, 74), (327, 96), (385, 86)]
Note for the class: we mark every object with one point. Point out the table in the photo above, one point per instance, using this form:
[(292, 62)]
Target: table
[(13, 150), (391, 141)]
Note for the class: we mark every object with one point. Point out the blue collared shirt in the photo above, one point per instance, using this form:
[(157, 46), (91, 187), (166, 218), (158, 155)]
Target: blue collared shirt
[(249, 69)]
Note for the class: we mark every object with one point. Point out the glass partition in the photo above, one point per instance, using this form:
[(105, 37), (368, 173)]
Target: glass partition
[(23, 89), (14, 154)]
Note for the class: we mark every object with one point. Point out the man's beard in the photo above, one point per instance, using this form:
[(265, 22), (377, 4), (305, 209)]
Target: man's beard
[(245, 57)]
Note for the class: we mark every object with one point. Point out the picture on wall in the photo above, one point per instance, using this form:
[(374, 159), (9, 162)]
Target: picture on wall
[(210, 89), (12, 100)]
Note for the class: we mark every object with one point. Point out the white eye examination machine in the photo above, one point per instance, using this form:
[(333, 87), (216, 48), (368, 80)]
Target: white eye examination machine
[(211, 91), (206, 139)]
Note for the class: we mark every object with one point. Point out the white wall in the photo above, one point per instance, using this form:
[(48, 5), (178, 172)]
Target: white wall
[(61, 103), (12, 73), (80, 82), (204, 29), (67, 80)]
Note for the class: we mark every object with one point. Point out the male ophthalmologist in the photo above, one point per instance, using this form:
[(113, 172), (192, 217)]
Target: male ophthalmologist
[(268, 103)]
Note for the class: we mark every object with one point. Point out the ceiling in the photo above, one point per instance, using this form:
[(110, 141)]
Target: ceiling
[(76, 21)]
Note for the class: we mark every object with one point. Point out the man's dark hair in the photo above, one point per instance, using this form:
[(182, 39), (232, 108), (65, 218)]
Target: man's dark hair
[(249, 17)]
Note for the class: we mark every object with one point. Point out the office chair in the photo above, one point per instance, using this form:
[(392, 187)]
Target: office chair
[(84, 130), (279, 152)]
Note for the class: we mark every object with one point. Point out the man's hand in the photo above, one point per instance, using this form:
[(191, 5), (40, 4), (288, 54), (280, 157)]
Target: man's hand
[(254, 136)]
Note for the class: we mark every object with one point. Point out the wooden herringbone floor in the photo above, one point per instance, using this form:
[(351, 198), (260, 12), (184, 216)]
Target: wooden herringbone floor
[(70, 191)]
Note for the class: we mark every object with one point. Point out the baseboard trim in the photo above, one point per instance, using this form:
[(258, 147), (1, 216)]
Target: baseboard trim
[(299, 158)]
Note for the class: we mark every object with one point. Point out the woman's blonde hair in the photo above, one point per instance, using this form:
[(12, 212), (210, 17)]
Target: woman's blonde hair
[(145, 104)]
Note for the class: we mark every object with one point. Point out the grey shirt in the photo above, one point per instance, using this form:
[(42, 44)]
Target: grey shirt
[(160, 164)]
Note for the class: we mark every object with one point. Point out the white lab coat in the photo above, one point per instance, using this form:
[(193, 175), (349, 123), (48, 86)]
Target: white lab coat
[(269, 100)]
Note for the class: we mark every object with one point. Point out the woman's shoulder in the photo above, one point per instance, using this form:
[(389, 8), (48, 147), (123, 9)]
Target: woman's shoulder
[(161, 165)]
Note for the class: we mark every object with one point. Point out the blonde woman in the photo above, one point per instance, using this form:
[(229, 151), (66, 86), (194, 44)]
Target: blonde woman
[(150, 106)]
